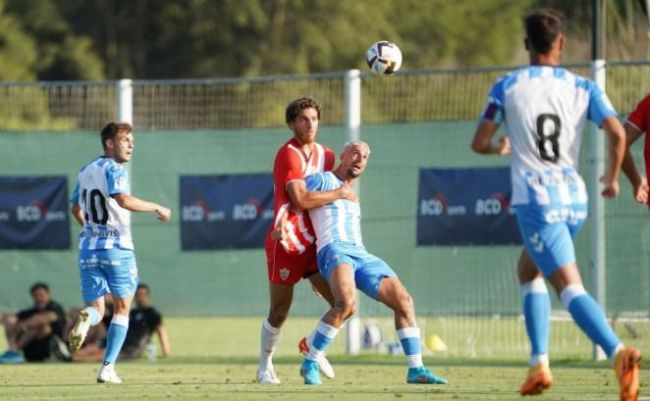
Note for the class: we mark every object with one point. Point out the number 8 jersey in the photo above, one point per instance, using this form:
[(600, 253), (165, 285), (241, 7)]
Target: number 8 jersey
[(544, 109), (106, 224)]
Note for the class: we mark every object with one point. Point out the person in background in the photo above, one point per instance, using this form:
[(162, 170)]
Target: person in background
[(144, 321), (34, 334), (637, 124)]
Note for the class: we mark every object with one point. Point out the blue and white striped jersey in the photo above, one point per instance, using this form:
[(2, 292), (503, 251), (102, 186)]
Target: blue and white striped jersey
[(339, 221), (106, 224), (545, 109)]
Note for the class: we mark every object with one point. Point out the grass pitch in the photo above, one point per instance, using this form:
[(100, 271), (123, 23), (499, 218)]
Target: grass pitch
[(216, 359), (357, 379)]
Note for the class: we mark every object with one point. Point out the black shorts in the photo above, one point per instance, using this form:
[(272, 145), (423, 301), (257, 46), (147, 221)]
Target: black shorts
[(37, 351)]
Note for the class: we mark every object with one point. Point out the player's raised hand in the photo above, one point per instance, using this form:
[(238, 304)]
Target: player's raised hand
[(611, 187), (347, 192), (163, 214)]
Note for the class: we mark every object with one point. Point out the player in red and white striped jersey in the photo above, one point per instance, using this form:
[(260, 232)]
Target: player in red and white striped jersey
[(637, 124), (290, 242)]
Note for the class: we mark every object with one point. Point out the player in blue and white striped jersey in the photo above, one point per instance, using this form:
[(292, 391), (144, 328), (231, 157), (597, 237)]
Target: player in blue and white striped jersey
[(545, 109), (102, 204), (346, 264)]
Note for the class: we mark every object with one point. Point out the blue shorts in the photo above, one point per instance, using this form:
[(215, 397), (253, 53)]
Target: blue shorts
[(106, 271), (548, 233), (368, 269)]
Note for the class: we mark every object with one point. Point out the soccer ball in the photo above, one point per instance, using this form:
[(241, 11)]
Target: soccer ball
[(384, 57)]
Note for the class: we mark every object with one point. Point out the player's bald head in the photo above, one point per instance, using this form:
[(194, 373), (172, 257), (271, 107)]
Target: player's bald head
[(352, 145)]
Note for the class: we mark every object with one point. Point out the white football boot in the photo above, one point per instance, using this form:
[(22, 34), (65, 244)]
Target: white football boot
[(267, 377), (79, 331), (107, 374)]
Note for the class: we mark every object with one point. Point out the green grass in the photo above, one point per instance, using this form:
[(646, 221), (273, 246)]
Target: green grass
[(216, 359), (357, 379)]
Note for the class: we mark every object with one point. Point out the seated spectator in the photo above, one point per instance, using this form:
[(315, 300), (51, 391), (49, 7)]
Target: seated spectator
[(144, 320), (34, 334)]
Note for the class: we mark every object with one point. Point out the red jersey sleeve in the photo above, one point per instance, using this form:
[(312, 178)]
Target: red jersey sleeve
[(330, 158), (288, 167), (641, 115)]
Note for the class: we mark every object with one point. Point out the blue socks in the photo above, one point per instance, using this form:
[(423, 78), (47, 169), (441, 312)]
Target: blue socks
[(95, 317), (410, 339), (115, 338), (322, 338), (589, 316), (537, 316)]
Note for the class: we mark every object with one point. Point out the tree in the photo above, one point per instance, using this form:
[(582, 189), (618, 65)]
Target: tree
[(200, 38), (17, 49), (62, 55)]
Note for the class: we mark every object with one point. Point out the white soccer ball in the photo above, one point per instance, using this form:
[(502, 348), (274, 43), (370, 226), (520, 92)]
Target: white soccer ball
[(384, 57)]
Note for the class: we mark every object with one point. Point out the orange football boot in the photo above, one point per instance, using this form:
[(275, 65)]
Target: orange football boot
[(627, 366), (539, 379)]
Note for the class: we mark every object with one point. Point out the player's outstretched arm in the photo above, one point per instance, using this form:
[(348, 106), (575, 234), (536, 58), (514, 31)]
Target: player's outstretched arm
[(303, 199), (130, 202), (639, 182), (616, 152), (78, 215)]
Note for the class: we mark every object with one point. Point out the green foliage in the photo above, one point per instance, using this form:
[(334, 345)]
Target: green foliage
[(77, 39), (199, 38), (17, 49), (24, 108), (62, 55)]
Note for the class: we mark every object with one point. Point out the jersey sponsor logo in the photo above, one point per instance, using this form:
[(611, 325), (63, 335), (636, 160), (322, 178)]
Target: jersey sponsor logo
[(94, 261), (560, 215), (102, 234)]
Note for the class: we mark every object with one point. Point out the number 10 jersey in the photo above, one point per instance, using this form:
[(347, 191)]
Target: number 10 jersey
[(106, 224), (545, 109)]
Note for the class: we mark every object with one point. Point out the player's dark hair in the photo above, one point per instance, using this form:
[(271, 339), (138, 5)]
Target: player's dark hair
[(37, 286), (143, 286), (111, 130), (543, 26), (295, 107)]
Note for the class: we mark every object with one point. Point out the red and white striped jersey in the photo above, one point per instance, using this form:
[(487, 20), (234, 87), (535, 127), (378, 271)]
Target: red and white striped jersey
[(290, 164)]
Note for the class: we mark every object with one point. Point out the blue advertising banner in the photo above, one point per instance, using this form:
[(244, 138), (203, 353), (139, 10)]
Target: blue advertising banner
[(468, 206), (225, 211), (34, 213)]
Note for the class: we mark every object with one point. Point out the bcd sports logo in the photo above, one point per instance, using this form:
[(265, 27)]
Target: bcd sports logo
[(38, 211), (437, 205), (250, 210), (201, 211), (495, 204)]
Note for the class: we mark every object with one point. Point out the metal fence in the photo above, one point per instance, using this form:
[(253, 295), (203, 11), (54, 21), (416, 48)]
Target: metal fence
[(410, 96)]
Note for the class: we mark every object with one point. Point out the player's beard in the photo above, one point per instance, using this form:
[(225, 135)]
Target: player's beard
[(352, 173)]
